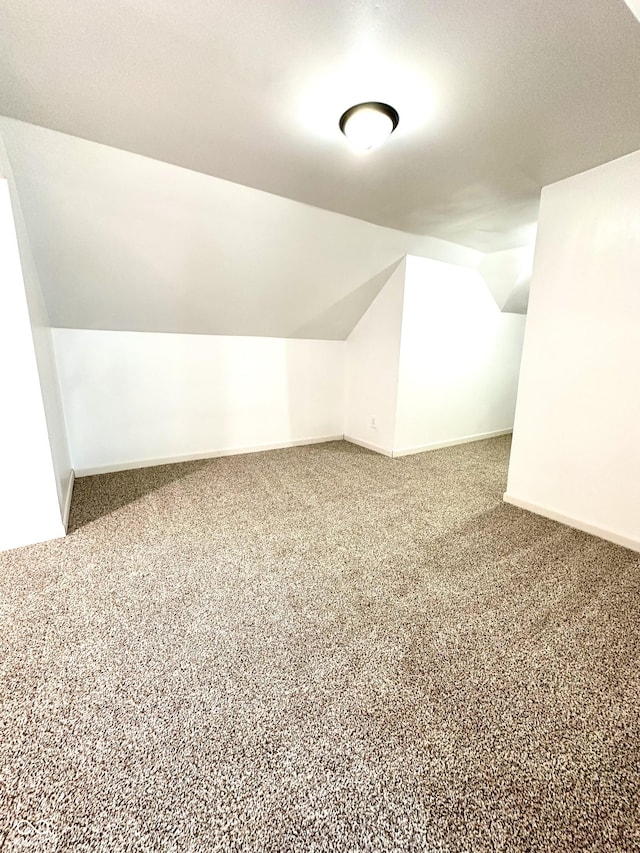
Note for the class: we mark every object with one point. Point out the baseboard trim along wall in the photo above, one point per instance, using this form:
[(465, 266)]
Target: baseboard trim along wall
[(465, 439), (67, 501), (375, 447), (209, 454), (578, 524), (236, 451)]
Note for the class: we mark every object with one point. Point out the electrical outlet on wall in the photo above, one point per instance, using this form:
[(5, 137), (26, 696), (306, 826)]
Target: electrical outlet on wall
[(374, 425)]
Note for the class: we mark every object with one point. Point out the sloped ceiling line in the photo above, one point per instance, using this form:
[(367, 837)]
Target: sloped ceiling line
[(496, 99), (126, 243)]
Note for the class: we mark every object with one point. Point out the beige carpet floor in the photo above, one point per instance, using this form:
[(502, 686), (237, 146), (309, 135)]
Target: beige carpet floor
[(319, 649)]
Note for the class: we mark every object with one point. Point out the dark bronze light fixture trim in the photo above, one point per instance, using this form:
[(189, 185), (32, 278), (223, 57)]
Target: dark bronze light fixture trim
[(385, 109)]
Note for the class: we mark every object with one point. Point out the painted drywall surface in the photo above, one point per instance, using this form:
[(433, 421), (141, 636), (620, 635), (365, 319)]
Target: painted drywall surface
[(126, 243), (43, 343), (371, 368), (508, 276), (459, 358), (575, 443), (135, 396), (29, 508)]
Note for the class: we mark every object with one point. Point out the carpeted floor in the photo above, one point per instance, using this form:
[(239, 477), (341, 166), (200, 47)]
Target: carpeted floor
[(319, 649)]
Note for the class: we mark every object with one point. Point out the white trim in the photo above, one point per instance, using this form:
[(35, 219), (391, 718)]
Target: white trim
[(67, 500), (205, 454), (375, 447), (585, 526), (465, 439)]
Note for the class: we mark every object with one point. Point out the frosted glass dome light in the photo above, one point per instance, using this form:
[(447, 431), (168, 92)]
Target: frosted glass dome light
[(367, 126)]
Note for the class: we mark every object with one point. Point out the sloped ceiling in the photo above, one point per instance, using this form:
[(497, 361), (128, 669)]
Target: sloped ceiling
[(496, 99), (508, 277), (127, 243)]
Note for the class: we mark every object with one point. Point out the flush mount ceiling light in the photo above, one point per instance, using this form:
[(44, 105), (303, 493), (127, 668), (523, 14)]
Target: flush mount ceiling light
[(368, 125)]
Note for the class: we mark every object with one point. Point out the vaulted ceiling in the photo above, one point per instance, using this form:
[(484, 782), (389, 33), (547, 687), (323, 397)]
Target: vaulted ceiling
[(496, 99)]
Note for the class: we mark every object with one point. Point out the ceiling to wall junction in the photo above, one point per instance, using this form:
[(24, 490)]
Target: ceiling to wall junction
[(128, 243), (496, 99)]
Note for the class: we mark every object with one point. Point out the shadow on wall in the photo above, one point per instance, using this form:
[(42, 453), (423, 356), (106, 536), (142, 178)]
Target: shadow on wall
[(339, 320), (103, 494)]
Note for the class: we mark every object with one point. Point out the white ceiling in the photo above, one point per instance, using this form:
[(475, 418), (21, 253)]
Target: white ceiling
[(496, 99)]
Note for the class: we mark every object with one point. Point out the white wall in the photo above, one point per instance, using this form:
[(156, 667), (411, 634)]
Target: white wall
[(138, 398), (127, 243), (43, 343), (459, 359), (371, 369), (576, 451), (29, 507)]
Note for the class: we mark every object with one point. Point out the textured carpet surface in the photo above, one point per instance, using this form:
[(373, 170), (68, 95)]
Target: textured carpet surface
[(319, 649)]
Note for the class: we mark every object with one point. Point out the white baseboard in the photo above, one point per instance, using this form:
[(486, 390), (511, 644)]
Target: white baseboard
[(208, 454), (577, 523), (375, 447), (437, 445), (67, 501)]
